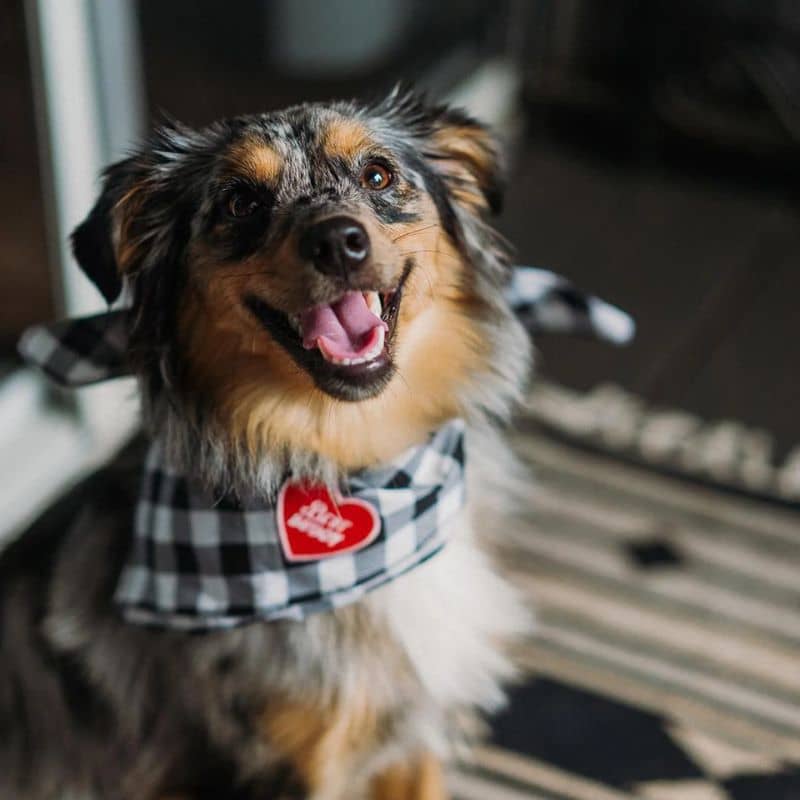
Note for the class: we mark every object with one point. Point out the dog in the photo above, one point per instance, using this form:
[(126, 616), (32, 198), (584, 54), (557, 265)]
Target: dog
[(312, 292)]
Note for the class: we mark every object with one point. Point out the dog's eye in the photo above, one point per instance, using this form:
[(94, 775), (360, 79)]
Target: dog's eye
[(376, 176), (243, 203)]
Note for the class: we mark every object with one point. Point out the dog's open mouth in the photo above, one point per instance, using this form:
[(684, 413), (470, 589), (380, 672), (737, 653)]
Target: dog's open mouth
[(349, 332), (346, 345)]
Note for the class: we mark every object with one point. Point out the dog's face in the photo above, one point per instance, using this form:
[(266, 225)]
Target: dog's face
[(319, 278)]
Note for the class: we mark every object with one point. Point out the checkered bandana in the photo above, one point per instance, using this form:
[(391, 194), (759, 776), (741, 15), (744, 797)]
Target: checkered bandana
[(548, 303), (202, 560), (80, 351)]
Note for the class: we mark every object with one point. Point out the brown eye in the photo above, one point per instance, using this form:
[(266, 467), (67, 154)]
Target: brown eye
[(376, 176), (243, 203)]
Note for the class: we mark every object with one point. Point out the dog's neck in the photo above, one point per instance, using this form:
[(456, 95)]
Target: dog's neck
[(207, 453), (249, 440)]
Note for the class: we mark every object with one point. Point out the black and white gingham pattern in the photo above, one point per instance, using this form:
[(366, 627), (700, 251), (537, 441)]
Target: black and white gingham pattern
[(548, 303), (79, 351), (201, 562)]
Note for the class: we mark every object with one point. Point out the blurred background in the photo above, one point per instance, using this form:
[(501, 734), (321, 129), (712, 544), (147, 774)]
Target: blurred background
[(654, 152)]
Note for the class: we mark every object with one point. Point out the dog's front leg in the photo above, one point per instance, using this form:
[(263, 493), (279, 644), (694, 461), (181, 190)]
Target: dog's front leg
[(420, 779), (324, 749), (321, 745)]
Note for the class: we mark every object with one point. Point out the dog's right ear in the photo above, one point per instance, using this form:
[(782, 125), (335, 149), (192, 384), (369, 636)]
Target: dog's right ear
[(92, 241), (138, 220)]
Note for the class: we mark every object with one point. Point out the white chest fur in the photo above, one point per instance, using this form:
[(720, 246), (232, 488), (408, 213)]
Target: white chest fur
[(452, 617)]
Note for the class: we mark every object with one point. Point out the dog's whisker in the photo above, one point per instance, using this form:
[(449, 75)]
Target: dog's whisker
[(427, 277), (403, 380), (415, 231), (437, 252)]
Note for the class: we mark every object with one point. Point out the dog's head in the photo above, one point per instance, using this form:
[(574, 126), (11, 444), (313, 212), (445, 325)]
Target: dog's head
[(321, 279)]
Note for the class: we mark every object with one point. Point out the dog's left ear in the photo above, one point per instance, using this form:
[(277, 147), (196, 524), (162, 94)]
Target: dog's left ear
[(460, 150), (468, 156)]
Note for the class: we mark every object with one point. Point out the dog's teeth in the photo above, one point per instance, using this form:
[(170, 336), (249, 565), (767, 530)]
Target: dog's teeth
[(373, 302), (294, 321), (374, 351), (371, 354)]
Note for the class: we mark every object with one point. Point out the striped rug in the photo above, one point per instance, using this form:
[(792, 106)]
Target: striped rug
[(666, 665)]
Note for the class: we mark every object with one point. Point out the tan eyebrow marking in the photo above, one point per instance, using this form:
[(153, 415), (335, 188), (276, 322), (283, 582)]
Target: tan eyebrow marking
[(345, 138), (257, 160)]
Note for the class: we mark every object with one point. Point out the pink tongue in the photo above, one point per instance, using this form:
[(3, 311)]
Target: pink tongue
[(345, 325)]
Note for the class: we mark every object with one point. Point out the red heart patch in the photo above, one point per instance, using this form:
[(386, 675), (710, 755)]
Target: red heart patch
[(313, 525)]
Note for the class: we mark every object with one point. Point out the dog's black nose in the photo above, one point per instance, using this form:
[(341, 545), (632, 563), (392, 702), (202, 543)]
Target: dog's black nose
[(336, 246)]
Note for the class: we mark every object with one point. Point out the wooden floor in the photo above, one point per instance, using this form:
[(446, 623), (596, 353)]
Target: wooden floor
[(705, 252), (665, 662)]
